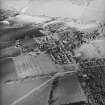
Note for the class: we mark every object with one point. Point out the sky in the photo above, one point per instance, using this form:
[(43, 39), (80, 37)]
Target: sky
[(60, 8)]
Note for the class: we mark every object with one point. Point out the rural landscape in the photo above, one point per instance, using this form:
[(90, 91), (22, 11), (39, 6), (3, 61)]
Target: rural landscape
[(52, 52)]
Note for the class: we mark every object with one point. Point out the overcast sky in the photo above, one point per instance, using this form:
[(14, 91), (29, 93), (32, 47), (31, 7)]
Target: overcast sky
[(60, 8)]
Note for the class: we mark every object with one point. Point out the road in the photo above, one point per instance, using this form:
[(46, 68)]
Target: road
[(27, 92)]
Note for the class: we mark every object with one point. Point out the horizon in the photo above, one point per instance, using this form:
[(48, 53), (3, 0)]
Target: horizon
[(60, 8)]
